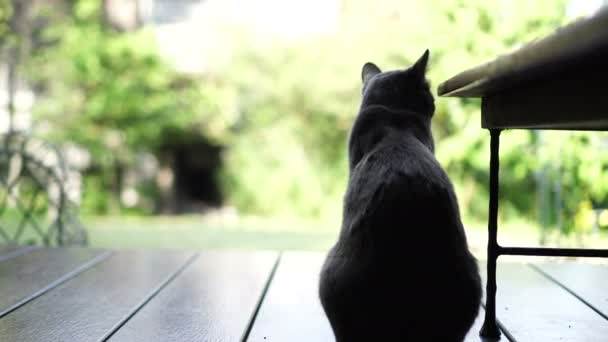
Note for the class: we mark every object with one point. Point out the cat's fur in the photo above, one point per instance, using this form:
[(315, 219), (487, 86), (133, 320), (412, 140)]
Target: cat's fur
[(401, 269)]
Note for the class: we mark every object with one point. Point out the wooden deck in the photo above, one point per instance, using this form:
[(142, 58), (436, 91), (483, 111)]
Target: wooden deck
[(76, 294)]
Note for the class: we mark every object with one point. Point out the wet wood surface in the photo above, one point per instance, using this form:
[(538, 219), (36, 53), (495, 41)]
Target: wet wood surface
[(81, 294)]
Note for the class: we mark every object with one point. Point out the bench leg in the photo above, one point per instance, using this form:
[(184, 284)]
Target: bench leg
[(490, 328)]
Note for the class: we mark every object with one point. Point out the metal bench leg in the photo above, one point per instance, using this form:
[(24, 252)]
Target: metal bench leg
[(490, 328)]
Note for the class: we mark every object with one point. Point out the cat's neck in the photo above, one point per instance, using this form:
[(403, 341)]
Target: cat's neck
[(417, 124)]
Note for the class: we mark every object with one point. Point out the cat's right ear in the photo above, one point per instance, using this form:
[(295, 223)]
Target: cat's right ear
[(369, 70), (420, 66)]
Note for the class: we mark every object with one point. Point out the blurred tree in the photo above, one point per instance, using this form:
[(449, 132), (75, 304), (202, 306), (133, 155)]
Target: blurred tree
[(578, 162), (298, 100), (282, 108), (109, 92), (16, 28)]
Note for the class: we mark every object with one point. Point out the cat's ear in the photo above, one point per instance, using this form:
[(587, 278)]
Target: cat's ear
[(369, 70), (420, 66)]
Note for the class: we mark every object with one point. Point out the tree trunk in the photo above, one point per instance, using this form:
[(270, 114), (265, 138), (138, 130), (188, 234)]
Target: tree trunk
[(20, 29), (165, 181)]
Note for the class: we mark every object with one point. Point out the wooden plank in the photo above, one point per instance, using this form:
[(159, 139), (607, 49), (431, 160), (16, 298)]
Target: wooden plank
[(4, 249), (28, 276), (88, 307), (212, 300), (7, 252), (292, 311), (587, 281), (533, 308)]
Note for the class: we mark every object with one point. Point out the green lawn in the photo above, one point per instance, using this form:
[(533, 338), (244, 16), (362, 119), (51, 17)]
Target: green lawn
[(196, 232), (199, 232), (193, 232)]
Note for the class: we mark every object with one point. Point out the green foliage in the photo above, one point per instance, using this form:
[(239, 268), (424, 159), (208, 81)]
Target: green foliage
[(298, 101), (289, 153), (114, 91), (578, 162), (110, 92), (282, 109), (5, 16), (97, 198), (7, 36)]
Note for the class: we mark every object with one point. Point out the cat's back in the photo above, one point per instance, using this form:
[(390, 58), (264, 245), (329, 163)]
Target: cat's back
[(399, 192), (398, 204), (402, 164)]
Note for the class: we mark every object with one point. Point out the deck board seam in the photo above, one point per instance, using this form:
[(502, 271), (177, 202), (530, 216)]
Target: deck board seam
[(66, 277), (18, 252), (566, 288), (258, 306), (149, 297)]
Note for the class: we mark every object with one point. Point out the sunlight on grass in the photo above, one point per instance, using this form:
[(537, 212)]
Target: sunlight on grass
[(194, 232), (199, 232)]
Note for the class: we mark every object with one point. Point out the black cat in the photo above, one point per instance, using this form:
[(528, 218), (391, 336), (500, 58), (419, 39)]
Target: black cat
[(401, 269)]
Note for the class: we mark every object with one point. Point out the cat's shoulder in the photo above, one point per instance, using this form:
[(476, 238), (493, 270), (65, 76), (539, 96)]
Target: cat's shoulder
[(398, 166)]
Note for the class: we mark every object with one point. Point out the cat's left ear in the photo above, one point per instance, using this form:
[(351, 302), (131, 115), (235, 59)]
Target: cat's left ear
[(369, 70), (420, 66)]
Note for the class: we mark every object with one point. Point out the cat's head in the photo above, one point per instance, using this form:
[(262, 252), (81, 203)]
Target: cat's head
[(407, 104), (398, 89)]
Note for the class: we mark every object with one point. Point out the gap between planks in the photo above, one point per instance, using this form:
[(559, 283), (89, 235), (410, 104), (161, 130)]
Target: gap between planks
[(149, 297), (262, 297), (566, 288), (17, 252), (57, 282)]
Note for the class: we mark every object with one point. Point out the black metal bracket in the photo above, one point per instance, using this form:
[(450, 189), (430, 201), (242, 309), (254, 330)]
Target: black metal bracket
[(490, 327)]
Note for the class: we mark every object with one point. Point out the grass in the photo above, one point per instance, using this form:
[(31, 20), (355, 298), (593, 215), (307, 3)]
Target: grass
[(196, 232), (249, 233)]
